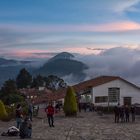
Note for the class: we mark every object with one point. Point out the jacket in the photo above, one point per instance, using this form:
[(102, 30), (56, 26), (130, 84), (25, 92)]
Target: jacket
[(49, 110)]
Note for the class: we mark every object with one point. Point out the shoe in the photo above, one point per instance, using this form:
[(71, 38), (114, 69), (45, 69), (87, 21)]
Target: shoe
[(52, 125)]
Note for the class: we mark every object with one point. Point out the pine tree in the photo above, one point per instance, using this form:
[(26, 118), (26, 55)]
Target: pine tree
[(70, 103), (24, 79)]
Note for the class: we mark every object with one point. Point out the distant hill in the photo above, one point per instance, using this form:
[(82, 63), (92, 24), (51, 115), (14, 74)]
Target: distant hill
[(9, 62), (63, 55), (10, 68), (63, 64)]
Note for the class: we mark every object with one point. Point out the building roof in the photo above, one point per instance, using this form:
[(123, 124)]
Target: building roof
[(94, 82), (99, 81), (53, 96)]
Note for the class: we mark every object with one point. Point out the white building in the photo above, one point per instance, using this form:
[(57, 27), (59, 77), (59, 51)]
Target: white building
[(108, 91)]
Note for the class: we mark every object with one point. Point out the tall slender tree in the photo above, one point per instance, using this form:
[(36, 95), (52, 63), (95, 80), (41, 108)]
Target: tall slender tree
[(70, 103)]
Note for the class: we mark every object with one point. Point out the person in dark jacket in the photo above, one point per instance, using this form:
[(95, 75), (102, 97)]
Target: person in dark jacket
[(26, 128), (122, 113), (133, 110), (127, 111), (117, 114), (50, 112)]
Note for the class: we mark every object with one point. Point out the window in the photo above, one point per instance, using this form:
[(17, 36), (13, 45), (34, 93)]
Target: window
[(86, 98), (114, 94), (101, 99)]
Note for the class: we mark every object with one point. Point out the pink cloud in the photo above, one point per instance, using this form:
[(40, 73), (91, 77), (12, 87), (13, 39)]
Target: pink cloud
[(38, 53), (21, 54), (107, 27)]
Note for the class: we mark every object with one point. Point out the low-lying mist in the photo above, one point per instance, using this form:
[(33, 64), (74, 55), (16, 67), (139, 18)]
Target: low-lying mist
[(119, 61)]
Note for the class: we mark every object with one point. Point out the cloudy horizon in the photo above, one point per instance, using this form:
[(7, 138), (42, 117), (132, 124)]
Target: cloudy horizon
[(30, 27), (105, 34)]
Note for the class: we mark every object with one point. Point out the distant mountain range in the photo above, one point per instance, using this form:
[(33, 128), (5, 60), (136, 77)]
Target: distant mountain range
[(10, 68), (62, 64), (10, 62)]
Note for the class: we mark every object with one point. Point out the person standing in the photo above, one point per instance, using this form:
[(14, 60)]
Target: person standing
[(122, 112), (127, 113), (117, 114), (30, 111), (26, 128), (133, 110), (50, 112), (19, 116)]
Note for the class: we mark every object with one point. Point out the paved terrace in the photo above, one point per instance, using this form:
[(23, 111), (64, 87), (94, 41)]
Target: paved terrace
[(87, 126)]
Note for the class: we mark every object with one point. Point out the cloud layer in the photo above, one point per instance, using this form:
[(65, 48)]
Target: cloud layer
[(117, 61)]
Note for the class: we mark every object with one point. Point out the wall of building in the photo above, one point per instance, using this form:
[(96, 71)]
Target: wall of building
[(41, 105), (126, 90)]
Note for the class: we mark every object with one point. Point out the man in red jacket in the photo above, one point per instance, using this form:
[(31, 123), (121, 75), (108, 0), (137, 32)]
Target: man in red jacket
[(50, 112)]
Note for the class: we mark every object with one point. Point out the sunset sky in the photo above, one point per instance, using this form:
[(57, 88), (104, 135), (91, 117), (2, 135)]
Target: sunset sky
[(32, 28)]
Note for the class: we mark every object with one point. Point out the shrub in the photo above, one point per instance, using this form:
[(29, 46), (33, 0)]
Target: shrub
[(3, 113), (70, 103), (10, 111)]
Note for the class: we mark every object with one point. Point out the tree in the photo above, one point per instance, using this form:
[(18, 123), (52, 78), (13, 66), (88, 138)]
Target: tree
[(70, 103), (9, 93), (38, 81), (9, 87), (53, 82), (24, 79)]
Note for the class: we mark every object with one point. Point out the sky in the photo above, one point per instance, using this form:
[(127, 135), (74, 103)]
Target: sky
[(39, 28)]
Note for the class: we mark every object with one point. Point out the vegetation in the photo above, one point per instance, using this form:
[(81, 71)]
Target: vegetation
[(53, 82), (3, 113), (10, 111), (70, 103), (24, 79), (9, 93), (38, 81)]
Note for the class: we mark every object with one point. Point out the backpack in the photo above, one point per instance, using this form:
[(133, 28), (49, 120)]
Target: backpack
[(12, 131)]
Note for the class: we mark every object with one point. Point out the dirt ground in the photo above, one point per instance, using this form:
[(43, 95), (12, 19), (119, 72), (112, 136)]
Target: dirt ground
[(86, 126)]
